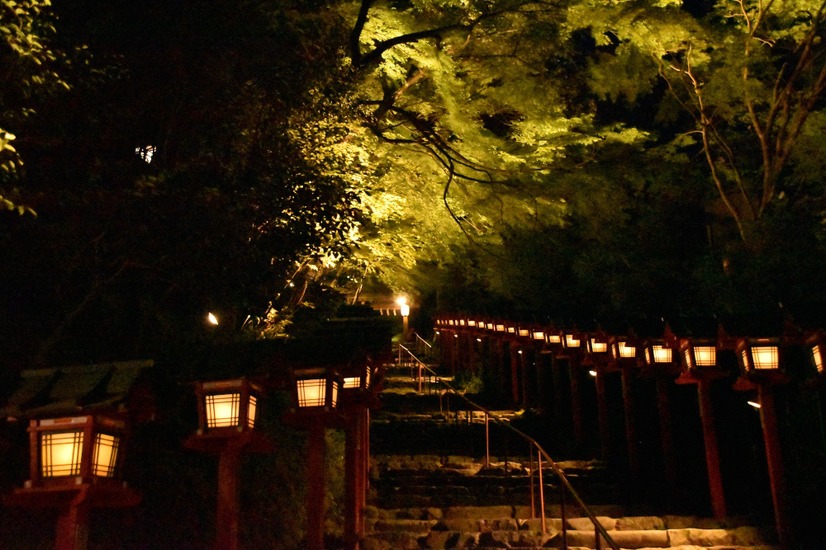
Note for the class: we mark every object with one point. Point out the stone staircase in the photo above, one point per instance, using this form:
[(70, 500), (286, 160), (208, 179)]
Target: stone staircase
[(430, 489)]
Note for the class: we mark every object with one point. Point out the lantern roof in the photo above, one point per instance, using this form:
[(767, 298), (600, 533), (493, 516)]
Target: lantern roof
[(66, 391)]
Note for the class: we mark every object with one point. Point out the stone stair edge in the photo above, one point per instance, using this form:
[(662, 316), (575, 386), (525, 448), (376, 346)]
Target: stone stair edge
[(617, 522)]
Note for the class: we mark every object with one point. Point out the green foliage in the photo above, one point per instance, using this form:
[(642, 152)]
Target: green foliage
[(28, 61)]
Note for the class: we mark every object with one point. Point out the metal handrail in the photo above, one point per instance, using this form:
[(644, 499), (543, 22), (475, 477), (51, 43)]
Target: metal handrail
[(599, 530), (421, 341)]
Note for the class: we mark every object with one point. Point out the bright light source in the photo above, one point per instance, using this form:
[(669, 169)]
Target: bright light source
[(754, 404), (212, 319), (592, 373), (146, 153)]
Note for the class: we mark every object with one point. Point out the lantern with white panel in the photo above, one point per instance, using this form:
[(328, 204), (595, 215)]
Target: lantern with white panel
[(623, 350), (597, 344), (75, 450), (816, 348), (75, 466), (316, 389), (698, 355), (759, 357), (571, 341), (228, 412), (227, 405)]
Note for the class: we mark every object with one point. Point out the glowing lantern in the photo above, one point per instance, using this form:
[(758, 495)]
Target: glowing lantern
[(76, 449), (658, 354), (316, 389), (227, 404), (816, 346), (698, 356), (758, 355), (597, 345), (572, 341)]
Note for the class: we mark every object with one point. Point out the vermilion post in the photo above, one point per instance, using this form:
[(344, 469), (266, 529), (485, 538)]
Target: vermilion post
[(72, 528), (316, 451), (514, 372), (715, 478), (771, 438), (576, 402), (226, 536), (630, 422), (355, 477), (602, 413), (666, 437)]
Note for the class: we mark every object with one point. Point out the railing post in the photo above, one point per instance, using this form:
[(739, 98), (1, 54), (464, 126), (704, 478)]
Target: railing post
[(562, 515), (533, 499), (541, 490), (487, 440), (419, 365)]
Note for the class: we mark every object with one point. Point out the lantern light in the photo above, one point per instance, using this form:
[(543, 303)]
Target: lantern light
[(500, 327), (316, 389), (817, 358), (572, 341), (538, 335), (62, 453), (658, 354), (524, 333), (597, 345), (227, 404), (621, 349), (357, 378), (698, 356), (817, 352), (758, 355)]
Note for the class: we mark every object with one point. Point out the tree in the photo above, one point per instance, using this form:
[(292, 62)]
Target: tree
[(751, 88), (29, 70)]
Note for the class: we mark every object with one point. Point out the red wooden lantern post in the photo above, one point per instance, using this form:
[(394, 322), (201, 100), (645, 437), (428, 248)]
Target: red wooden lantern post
[(227, 414), (315, 400), (357, 396), (553, 340), (624, 352), (760, 365), (599, 359), (75, 466), (515, 352), (699, 364), (571, 350), (541, 353), (661, 363)]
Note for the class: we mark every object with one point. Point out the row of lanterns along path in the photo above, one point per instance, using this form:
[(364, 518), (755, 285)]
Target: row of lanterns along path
[(76, 461), (700, 355)]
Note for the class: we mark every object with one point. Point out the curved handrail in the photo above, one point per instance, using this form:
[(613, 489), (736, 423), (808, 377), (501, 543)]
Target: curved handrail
[(599, 529)]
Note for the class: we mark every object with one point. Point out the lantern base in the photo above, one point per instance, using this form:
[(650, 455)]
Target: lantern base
[(752, 380), (93, 495), (694, 376), (216, 441)]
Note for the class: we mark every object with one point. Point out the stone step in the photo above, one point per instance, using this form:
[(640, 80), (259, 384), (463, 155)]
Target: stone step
[(502, 528), (428, 480)]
